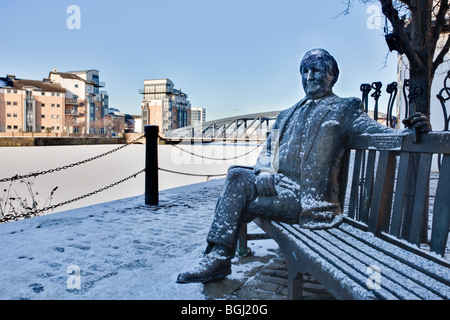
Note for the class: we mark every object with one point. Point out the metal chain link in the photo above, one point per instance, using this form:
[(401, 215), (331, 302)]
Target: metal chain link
[(35, 174), (33, 213), (193, 174), (211, 158)]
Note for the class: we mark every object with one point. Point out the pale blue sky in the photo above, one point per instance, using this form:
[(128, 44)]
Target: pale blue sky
[(231, 57)]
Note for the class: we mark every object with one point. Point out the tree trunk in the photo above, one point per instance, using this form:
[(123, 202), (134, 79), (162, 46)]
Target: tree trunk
[(420, 90)]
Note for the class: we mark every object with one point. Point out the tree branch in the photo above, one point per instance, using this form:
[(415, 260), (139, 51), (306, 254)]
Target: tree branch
[(406, 2), (440, 19), (440, 57), (399, 30), (346, 11)]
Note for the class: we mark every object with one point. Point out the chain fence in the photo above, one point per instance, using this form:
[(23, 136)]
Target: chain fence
[(39, 173), (36, 212), (193, 174), (211, 158), (30, 212)]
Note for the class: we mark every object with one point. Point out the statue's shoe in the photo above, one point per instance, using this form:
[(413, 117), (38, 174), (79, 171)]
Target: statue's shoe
[(210, 267)]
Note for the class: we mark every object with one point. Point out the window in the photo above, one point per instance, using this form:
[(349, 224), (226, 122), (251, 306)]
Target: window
[(76, 85), (53, 94), (43, 116), (8, 127), (53, 116), (14, 91), (8, 103), (15, 127), (42, 104), (58, 117), (14, 115), (8, 90), (8, 115), (53, 105), (42, 93), (58, 105), (14, 103), (57, 94)]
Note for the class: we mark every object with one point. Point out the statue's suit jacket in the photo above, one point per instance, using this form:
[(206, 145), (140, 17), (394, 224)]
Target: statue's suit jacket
[(319, 153)]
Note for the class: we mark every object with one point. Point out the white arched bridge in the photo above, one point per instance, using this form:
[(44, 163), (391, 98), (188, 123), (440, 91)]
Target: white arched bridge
[(250, 127)]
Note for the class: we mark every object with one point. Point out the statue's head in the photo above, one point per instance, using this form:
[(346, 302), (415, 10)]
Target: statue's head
[(319, 71)]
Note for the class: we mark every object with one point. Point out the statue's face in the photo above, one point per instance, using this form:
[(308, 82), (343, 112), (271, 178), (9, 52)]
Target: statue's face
[(316, 81)]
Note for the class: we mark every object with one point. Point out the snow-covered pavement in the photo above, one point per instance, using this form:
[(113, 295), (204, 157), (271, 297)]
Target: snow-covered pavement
[(116, 250)]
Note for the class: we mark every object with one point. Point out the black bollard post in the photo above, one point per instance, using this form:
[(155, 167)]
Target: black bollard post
[(151, 165)]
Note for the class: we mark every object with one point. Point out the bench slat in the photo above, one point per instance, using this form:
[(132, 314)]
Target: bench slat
[(368, 186), (355, 181), (438, 270), (400, 193), (420, 208), (342, 260), (309, 261), (382, 193), (405, 275), (441, 215), (360, 261)]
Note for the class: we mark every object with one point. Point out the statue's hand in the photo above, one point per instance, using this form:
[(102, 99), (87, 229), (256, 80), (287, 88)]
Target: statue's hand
[(418, 121), (265, 184)]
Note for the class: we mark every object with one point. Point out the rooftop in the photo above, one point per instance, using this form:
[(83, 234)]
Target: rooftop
[(72, 75), (20, 84)]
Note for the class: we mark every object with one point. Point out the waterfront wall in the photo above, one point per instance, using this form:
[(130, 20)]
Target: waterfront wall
[(56, 141)]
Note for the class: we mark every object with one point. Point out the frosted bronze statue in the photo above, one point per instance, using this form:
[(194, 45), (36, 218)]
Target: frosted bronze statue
[(296, 177)]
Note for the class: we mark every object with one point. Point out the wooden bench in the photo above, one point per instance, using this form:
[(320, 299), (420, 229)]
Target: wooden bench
[(393, 240)]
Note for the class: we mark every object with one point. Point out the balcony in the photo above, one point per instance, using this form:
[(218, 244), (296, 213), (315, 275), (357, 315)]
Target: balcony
[(72, 112), (72, 101), (143, 91), (98, 83)]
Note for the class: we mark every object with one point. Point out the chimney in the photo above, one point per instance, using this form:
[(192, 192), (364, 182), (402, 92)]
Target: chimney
[(11, 77)]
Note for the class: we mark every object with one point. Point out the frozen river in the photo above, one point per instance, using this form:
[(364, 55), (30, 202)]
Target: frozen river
[(85, 178)]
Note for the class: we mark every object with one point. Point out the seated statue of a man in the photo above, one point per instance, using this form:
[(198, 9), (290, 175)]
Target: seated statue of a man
[(296, 177)]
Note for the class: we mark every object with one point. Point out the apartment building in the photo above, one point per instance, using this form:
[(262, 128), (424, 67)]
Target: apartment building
[(63, 103), (31, 105), (85, 105), (114, 122), (198, 115), (164, 106)]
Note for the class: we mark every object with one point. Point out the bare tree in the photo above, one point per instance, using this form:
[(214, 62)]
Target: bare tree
[(108, 125), (69, 122), (97, 125), (417, 26)]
